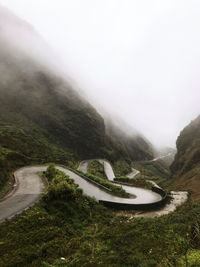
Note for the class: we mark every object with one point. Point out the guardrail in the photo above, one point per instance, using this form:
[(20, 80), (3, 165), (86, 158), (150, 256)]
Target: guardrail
[(146, 206), (87, 178), (127, 206)]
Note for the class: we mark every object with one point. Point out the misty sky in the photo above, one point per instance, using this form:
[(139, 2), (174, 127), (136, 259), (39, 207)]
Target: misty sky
[(138, 59)]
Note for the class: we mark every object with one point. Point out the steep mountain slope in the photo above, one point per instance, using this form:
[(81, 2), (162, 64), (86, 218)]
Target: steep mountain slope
[(128, 140), (166, 154), (42, 118), (186, 165)]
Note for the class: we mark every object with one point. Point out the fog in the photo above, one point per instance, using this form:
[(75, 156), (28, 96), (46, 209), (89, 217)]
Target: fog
[(138, 60)]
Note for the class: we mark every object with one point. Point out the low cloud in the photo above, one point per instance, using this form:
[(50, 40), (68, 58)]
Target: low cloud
[(136, 60)]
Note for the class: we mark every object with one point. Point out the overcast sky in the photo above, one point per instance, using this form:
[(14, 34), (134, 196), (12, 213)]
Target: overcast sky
[(139, 59)]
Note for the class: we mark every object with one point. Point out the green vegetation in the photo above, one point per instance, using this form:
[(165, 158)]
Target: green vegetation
[(68, 225), (60, 187), (134, 182), (44, 179), (152, 169), (129, 146), (122, 167), (96, 168), (24, 147), (115, 189)]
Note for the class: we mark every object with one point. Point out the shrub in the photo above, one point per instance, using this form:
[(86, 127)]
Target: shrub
[(61, 186), (51, 171), (96, 168)]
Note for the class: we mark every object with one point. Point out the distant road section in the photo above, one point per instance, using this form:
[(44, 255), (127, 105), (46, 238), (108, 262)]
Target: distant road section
[(161, 157), (108, 169), (133, 173), (83, 166)]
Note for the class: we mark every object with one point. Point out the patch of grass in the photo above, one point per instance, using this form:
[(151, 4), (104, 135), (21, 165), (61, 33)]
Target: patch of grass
[(121, 167), (7, 186), (115, 190), (96, 168)]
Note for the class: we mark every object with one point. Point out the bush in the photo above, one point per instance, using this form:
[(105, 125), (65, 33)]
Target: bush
[(96, 168), (51, 171), (61, 186), (122, 167)]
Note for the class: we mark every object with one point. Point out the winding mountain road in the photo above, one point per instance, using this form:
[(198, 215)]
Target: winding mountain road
[(30, 186), (178, 198)]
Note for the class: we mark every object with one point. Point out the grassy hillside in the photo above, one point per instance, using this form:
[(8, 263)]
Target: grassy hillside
[(40, 123), (186, 166), (128, 141), (152, 169)]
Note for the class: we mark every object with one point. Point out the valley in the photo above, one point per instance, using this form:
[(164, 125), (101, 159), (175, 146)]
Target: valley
[(80, 185)]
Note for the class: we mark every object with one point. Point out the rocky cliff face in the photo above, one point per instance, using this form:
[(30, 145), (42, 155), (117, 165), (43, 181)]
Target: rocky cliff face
[(186, 165), (188, 148)]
